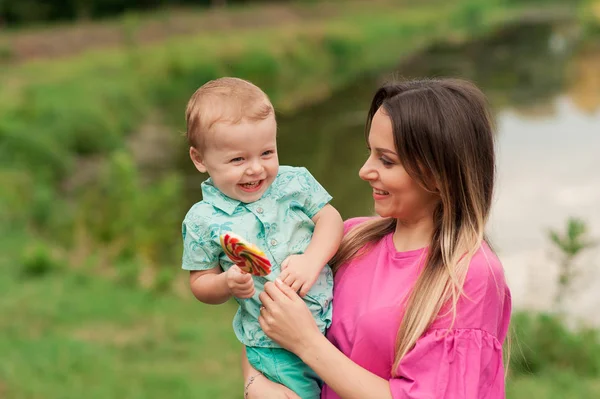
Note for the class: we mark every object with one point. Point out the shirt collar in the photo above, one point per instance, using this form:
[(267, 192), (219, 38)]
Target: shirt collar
[(216, 198)]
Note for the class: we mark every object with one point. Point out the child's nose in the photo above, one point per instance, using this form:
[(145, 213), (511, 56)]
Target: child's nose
[(255, 168)]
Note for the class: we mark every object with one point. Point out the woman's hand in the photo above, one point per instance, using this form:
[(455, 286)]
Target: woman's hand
[(263, 388), (285, 318)]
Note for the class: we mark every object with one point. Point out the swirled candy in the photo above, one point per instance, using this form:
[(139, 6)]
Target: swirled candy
[(247, 256)]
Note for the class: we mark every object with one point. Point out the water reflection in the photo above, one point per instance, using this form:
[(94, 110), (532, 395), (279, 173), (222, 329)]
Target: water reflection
[(545, 92), (516, 67)]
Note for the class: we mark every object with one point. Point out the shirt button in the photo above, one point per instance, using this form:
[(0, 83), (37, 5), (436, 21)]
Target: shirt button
[(273, 242), (259, 210)]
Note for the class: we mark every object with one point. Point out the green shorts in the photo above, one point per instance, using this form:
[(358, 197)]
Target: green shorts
[(283, 367)]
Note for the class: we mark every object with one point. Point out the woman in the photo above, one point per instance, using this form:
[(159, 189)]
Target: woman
[(421, 307)]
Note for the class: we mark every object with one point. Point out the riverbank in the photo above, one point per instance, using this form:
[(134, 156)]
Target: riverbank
[(70, 128)]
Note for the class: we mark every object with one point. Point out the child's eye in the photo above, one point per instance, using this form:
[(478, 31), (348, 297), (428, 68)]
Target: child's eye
[(267, 153), (238, 159)]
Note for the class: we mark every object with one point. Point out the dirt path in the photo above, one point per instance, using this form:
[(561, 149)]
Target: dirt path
[(67, 40)]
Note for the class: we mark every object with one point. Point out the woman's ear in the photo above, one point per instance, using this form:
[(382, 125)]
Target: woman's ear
[(196, 158)]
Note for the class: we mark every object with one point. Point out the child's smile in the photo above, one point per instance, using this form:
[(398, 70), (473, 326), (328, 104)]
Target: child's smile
[(241, 158), (251, 186)]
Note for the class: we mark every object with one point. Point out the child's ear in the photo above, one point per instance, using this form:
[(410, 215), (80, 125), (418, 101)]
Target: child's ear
[(197, 160)]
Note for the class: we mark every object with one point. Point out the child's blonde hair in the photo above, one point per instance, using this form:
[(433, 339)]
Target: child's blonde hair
[(229, 100)]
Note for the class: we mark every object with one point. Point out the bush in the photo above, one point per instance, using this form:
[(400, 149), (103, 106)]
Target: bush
[(543, 342), (39, 260)]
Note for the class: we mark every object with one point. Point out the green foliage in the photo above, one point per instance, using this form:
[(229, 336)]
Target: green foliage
[(56, 115), (589, 14), (163, 280), (569, 244), (20, 12), (135, 220), (6, 53), (543, 342), (128, 272), (574, 240), (38, 260)]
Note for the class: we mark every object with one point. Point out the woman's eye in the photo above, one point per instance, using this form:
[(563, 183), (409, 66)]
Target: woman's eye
[(238, 159), (385, 162)]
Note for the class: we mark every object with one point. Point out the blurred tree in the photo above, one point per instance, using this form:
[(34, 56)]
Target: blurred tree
[(570, 244), (24, 12)]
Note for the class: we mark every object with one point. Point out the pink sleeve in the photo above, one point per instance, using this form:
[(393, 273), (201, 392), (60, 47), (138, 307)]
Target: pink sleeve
[(463, 364), (349, 224)]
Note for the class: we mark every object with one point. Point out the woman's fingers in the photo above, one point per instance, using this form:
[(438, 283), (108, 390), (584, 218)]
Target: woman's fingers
[(285, 290), (274, 292)]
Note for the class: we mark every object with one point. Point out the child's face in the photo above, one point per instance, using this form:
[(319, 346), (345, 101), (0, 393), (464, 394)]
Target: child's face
[(240, 158)]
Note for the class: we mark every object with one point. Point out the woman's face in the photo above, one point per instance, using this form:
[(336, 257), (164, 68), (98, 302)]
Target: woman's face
[(396, 194)]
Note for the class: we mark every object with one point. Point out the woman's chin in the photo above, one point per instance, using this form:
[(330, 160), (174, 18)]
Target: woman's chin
[(382, 212)]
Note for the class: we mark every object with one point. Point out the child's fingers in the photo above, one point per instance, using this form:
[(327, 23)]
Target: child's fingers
[(289, 280), (248, 285), (284, 274), (304, 290), (285, 263), (296, 285), (235, 269), (244, 295), (308, 284), (244, 290), (248, 293), (242, 278)]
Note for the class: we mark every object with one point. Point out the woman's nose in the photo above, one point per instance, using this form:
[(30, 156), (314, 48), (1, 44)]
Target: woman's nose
[(367, 172)]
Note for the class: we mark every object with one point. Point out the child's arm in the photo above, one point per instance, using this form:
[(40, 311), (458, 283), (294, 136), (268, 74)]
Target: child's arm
[(301, 271), (215, 287), (326, 239)]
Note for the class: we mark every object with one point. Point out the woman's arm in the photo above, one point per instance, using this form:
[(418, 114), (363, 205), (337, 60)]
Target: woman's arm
[(286, 319), (341, 374)]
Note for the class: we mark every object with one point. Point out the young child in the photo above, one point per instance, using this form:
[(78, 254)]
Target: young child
[(231, 130)]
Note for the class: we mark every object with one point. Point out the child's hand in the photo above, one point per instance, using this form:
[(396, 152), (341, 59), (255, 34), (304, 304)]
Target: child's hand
[(300, 273), (240, 284)]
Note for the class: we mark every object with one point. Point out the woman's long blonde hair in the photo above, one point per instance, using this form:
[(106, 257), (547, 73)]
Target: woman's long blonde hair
[(444, 139)]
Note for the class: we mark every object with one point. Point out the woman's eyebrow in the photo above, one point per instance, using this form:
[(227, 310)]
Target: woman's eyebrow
[(385, 151)]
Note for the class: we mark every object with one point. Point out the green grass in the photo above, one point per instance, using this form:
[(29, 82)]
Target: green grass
[(68, 335), (72, 336)]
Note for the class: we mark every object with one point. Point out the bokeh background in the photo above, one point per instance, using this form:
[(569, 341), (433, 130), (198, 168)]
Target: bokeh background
[(95, 177)]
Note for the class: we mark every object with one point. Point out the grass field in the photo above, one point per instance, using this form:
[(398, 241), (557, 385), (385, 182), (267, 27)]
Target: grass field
[(69, 335), (71, 326)]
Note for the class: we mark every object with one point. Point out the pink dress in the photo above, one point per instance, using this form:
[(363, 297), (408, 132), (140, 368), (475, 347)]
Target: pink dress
[(464, 362)]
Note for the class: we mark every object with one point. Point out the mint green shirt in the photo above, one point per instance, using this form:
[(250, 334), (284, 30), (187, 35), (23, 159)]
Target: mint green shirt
[(279, 223)]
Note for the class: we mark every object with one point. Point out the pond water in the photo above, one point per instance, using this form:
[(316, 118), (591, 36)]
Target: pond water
[(544, 89)]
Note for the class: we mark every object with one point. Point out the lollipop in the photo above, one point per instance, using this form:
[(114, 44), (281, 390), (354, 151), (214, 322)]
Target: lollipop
[(247, 256)]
